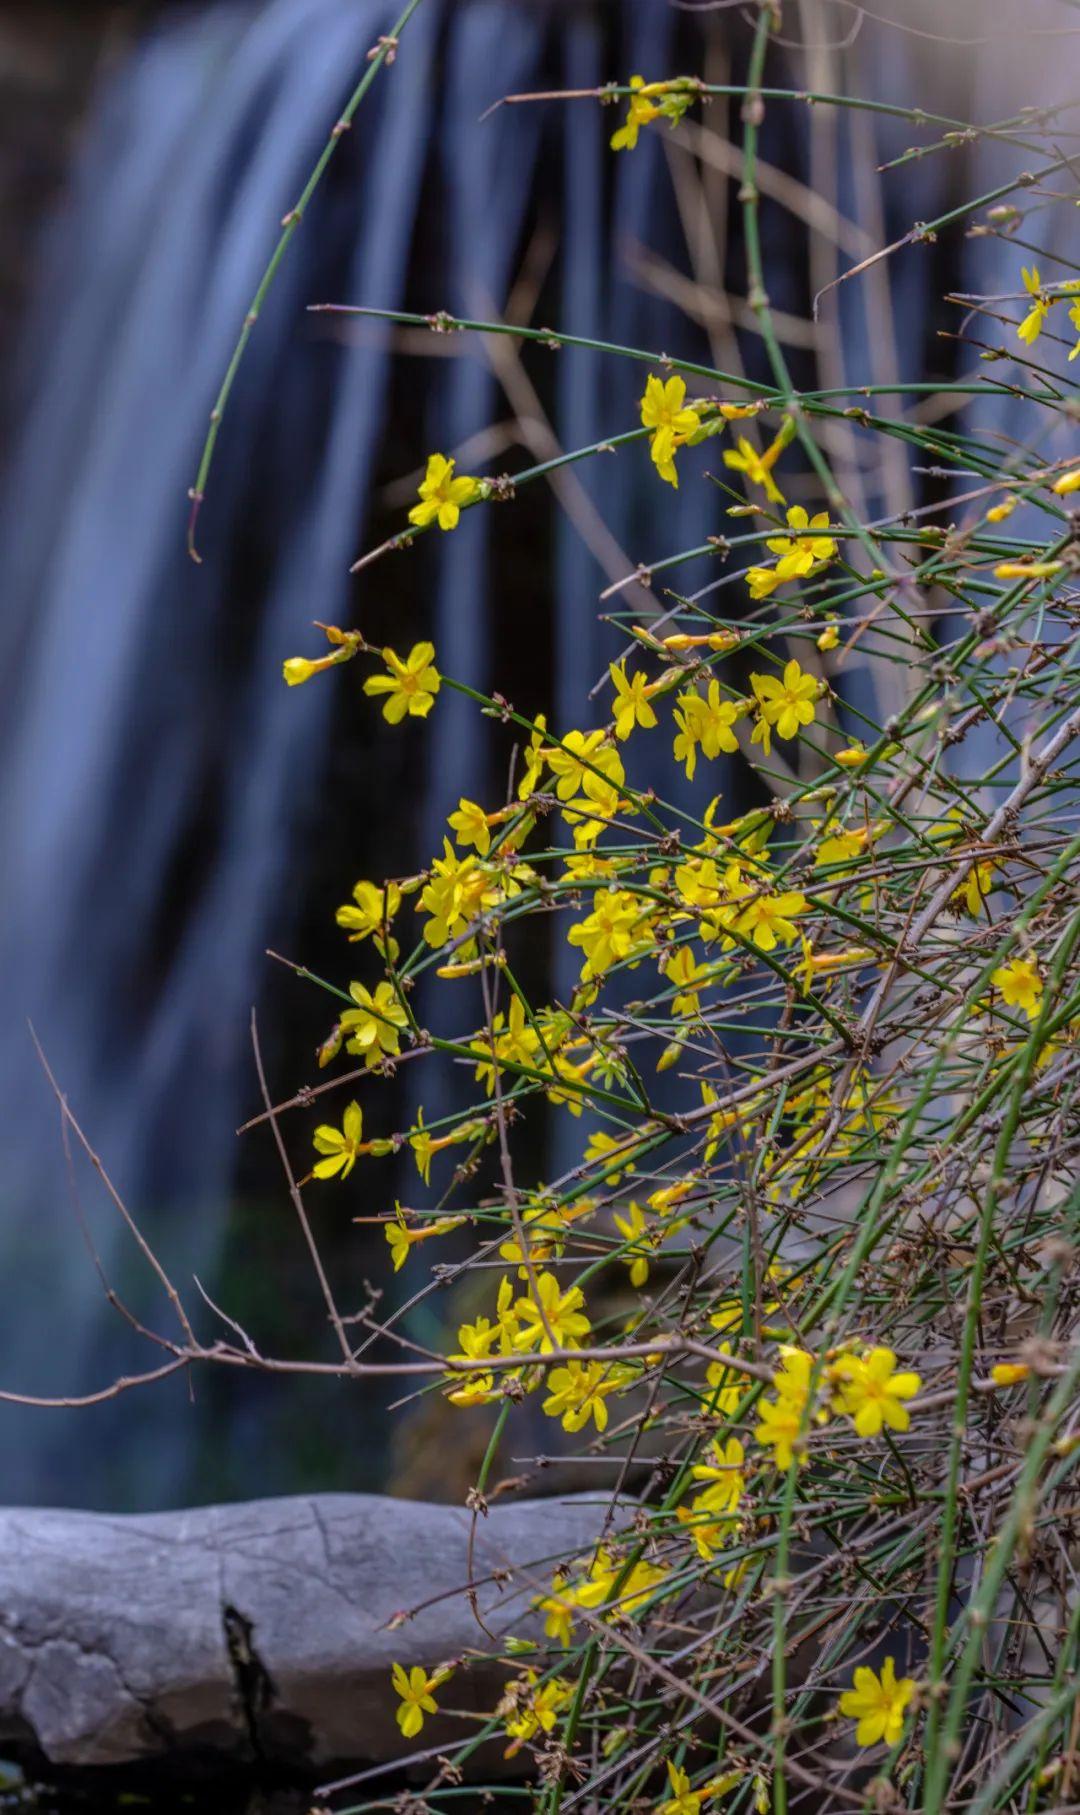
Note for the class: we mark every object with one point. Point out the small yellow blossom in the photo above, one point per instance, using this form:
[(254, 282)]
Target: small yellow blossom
[(577, 1391), (1009, 1373), (634, 1227), (724, 1473), (470, 825), (558, 1612), (768, 920), (617, 929), (828, 638), (871, 1392), (631, 705), (787, 703), (578, 758), (802, 554), (410, 686), (401, 1237), (878, 1704), (534, 757), (416, 1690), (1020, 984), (672, 421), (374, 1026), (535, 1711), (340, 1145), (1069, 482), (976, 888), (370, 911), (779, 1429), (554, 1319), (757, 468), (442, 496), (1031, 326), (649, 101), (685, 1801), (516, 1042), (999, 512)]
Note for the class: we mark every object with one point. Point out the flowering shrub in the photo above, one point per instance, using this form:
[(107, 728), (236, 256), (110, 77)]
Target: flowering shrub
[(806, 1299), (814, 1268)]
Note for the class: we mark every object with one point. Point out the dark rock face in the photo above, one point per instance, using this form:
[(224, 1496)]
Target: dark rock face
[(257, 1633)]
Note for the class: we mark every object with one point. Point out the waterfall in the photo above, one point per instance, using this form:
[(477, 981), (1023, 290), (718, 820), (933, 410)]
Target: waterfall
[(155, 775)]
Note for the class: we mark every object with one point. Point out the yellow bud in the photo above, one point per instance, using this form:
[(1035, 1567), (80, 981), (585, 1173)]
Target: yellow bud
[(1069, 482), (1009, 1373), (296, 670), (829, 638), (1027, 570), (998, 512)]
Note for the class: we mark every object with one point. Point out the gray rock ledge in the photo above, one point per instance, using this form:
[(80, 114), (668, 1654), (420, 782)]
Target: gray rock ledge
[(255, 1634)]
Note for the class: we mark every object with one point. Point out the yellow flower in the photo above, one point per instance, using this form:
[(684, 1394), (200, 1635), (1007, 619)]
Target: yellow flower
[(762, 581), (1069, 482), (685, 1801), (424, 1146), (576, 1393), (558, 1612), (769, 919), (470, 823), (534, 757), (457, 889), (341, 1146), (801, 554), (1009, 1373), (744, 458), (1020, 984), (374, 1025), (617, 929), (779, 1429), (878, 1704), (724, 1474), (706, 721), (648, 101), (410, 686), (516, 1043), (561, 1312), (663, 410), (577, 759), (417, 1698), (604, 1571), (871, 1392), (631, 706), (401, 1238), (634, 1227), (786, 703), (370, 911), (640, 111), (1031, 326), (537, 1714), (442, 496), (976, 887)]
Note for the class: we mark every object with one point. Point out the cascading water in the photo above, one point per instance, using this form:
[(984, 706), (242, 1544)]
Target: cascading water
[(155, 776)]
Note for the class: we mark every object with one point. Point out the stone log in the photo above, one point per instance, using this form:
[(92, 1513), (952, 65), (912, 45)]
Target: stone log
[(257, 1635)]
